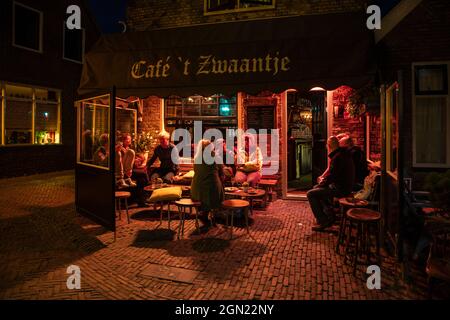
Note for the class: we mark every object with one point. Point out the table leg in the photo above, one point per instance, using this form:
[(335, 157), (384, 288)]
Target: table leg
[(181, 221), (168, 214), (231, 232), (246, 219), (196, 220)]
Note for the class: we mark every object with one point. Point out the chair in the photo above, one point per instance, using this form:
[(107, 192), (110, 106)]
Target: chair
[(438, 263), (232, 205), (367, 224), (182, 205), (345, 205), (119, 195)]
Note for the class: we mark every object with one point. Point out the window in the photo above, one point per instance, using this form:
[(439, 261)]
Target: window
[(431, 116), (215, 112), (73, 49), (27, 27), (392, 129), (94, 131), (30, 115), (227, 6)]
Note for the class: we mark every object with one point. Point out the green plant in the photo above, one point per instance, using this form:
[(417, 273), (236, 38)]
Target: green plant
[(438, 184), (143, 142)]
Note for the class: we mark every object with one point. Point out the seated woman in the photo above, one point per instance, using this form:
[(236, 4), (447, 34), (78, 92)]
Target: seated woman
[(225, 158), (169, 160), (101, 155), (124, 162), (206, 185), (249, 162)]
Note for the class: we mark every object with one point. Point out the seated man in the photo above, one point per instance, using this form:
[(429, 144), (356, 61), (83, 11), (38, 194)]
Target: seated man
[(169, 165), (338, 182), (124, 162), (359, 161)]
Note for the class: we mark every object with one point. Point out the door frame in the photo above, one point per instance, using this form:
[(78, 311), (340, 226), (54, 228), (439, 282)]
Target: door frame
[(101, 181), (284, 141)]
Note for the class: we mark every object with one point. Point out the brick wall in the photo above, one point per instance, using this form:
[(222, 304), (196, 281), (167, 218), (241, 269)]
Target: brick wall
[(375, 137), (422, 36), (151, 119), (153, 14)]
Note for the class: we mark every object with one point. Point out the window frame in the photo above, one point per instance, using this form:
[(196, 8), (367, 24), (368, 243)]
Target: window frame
[(79, 116), (416, 96), (34, 102), (239, 9), (391, 92), (83, 43), (41, 27)]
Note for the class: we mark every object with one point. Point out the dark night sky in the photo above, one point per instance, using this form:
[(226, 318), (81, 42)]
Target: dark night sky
[(108, 13)]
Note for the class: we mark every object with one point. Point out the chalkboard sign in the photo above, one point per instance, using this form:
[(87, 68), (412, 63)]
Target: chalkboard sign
[(261, 117)]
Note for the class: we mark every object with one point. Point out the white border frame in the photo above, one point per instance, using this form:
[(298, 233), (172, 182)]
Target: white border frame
[(83, 45), (41, 28), (413, 98)]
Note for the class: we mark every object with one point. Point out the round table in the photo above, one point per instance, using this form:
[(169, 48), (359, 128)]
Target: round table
[(249, 195)]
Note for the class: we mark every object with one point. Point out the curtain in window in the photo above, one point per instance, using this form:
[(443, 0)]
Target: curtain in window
[(431, 130)]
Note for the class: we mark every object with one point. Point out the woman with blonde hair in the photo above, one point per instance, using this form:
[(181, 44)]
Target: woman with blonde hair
[(206, 185), (249, 161)]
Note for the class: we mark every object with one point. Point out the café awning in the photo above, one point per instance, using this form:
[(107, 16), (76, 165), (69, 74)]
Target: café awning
[(251, 56)]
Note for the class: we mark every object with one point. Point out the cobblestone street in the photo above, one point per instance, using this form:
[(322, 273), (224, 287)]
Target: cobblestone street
[(41, 235)]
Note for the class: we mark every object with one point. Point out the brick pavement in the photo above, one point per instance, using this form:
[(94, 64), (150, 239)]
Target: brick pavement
[(41, 235)]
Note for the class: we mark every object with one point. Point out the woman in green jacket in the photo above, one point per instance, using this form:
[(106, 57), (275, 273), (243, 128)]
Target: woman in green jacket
[(206, 185)]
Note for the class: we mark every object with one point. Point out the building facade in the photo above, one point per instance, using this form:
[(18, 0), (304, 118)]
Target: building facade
[(40, 67)]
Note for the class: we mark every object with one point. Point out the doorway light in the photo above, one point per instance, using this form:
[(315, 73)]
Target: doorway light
[(317, 89)]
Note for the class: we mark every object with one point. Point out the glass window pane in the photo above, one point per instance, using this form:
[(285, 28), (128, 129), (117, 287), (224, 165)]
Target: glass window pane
[(126, 122), (73, 44), (94, 148), (46, 123), (393, 131), (18, 122), (431, 130), (26, 27)]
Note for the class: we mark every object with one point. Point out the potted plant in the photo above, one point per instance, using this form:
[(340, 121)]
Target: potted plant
[(143, 142)]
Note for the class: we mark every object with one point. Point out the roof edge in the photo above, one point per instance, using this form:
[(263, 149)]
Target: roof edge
[(394, 17)]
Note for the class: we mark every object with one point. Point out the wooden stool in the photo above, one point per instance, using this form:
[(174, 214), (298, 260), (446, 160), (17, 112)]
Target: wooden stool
[(345, 204), (235, 204), (268, 186), (122, 195), (182, 205), (364, 219)]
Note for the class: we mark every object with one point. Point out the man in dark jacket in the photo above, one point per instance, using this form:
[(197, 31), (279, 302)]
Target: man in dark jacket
[(169, 160), (359, 161), (336, 182)]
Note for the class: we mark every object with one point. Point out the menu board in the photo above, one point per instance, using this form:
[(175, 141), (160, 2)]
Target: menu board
[(261, 117)]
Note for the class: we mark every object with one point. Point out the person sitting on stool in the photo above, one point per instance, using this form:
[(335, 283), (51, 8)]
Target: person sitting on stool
[(169, 160), (124, 162), (338, 182)]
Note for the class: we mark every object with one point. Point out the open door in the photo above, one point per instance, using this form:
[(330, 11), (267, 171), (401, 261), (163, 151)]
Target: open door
[(392, 187), (94, 170), (306, 152)]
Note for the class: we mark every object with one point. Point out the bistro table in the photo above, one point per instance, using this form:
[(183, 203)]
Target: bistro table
[(251, 194)]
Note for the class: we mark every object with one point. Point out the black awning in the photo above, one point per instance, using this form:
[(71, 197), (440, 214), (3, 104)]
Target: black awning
[(251, 56)]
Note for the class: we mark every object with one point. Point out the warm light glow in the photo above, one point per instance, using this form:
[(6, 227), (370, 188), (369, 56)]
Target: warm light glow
[(317, 89)]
